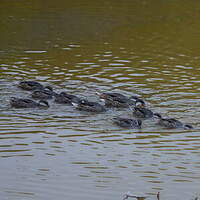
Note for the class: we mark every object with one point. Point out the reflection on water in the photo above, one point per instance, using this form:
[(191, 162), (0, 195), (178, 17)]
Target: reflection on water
[(67, 154)]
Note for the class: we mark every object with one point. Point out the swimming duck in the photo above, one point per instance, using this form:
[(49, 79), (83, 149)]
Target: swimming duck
[(170, 122), (27, 103), (115, 99), (64, 98), (46, 93), (143, 113), (128, 123), (30, 85), (140, 111), (89, 106)]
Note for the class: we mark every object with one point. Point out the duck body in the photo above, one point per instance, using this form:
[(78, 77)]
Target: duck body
[(143, 113), (27, 103), (171, 123), (128, 123), (64, 98), (46, 93), (89, 106), (115, 99), (30, 85)]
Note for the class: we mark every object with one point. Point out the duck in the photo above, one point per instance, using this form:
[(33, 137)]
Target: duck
[(114, 99), (65, 98), (27, 103), (127, 123), (30, 85), (46, 93), (89, 106), (170, 123), (143, 113), (140, 110)]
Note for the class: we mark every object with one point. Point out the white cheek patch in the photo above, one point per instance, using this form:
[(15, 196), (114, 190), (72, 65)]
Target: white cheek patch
[(138, 104), (74, 104)]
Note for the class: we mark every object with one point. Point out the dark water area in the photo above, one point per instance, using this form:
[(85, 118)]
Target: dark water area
[(149, 48)]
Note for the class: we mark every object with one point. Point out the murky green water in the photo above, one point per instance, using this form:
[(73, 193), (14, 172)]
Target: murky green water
[(150, 48)]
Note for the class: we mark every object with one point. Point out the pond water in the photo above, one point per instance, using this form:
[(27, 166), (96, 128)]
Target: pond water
[(149, 48)]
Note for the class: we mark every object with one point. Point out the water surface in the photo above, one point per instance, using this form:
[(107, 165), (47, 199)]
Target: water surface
[(149, 48)]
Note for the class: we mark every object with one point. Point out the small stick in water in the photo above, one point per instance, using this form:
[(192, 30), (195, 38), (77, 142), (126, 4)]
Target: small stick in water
[(158, 196)]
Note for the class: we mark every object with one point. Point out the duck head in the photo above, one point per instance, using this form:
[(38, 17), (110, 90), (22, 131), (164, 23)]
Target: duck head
[(13, 98), (48, 87), (138, 102)]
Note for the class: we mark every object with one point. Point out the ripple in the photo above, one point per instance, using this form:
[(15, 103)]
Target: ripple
[(33, 52), (47, 150)]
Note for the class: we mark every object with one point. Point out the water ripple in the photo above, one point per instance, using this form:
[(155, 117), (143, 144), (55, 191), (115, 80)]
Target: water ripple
[(47, 150)]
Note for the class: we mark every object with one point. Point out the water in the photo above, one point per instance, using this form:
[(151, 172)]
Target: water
[(149, 48)]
